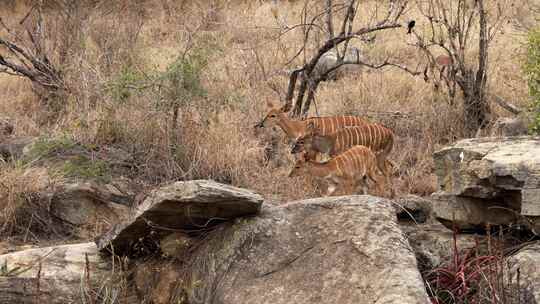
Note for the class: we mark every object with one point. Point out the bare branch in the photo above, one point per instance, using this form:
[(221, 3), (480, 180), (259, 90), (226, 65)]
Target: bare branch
[(329, 19), (310, 77), (506, 105)]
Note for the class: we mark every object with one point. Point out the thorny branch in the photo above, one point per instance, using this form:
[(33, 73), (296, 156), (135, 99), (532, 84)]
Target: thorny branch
[(27, 56), (450, 30)]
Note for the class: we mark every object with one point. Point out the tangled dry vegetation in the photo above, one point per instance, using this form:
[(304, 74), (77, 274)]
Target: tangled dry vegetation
[(180, 84)]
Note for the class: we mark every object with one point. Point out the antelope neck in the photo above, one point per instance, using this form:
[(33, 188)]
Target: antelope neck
[(293, 128)]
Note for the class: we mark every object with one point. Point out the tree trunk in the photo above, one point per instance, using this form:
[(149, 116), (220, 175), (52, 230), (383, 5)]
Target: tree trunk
[(476, 108), (312, 88)]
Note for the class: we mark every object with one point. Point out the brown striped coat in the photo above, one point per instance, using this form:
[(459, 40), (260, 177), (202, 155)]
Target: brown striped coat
[(298, 128), (348, 170), (374, 136)]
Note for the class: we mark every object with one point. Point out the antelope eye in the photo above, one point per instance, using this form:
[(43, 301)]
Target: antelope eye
[(297, 167), (300, 141), (273, 115)]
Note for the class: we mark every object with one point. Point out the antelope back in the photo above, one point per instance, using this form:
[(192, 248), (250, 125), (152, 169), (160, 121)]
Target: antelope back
[(355, 161), (374, 136), (331, 124)]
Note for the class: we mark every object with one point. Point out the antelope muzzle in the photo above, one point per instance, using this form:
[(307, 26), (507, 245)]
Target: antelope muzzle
[(297, 148), (260, 124)]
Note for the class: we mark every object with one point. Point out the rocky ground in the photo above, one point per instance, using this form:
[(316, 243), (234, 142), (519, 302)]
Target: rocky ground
[(205, 242)]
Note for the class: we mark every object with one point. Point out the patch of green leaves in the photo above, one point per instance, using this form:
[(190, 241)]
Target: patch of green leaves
[(126, 83), (532, 72), (83, 167), (44, 147)]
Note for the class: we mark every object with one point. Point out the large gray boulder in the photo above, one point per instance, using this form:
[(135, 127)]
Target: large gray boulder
[(329, 250), (527, 260), (330, 60), (191, 205), (51, 274), (492, 173)]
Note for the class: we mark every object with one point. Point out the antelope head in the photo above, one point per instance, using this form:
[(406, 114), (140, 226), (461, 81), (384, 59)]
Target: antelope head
[(304, 142), (274, 114)]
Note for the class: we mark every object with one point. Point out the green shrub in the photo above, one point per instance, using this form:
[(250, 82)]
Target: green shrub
[(71, 159), (123, 85), (180, 84), (83, 167), (532, 71), (44, 147)]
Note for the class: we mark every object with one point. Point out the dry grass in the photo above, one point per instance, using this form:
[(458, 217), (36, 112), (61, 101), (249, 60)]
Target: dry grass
[(21, 211), (215, 138)]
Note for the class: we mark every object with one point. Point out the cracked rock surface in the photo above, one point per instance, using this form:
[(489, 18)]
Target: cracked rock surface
[(327, 250), (52, 274), (482, 177)]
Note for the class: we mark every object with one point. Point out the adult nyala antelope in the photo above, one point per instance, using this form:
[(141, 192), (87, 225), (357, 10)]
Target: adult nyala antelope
[(350, 170), (296, 128), (374, 136)]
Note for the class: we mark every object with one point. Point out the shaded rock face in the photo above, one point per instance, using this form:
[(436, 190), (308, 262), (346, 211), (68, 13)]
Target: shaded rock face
[(433, 243), (413, 209), (60, 268), (6, 128), (13, 148), (190, 205), (156, 281), (339, 250), (527, 260), (84, 204), (470, 214), (499, 173)]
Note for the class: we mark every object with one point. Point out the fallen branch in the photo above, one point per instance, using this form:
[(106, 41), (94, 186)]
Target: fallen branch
[(506, 105)]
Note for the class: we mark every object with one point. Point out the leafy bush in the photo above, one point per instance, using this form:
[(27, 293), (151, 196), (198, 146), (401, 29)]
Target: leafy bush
[(182, 79), (44, 147), (72, 158), (532, 71), (122, 86), (83, 167)]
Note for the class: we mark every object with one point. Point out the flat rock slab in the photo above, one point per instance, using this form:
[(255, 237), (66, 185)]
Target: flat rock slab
[(60, 268), (190, 205), (345, 250)]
